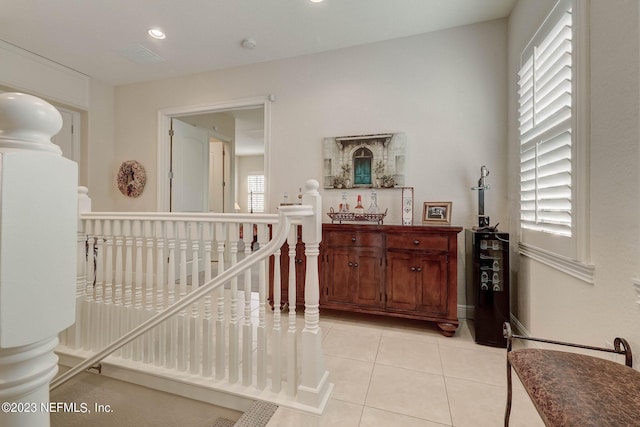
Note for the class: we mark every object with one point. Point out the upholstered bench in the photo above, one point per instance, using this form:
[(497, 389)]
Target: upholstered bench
[(570, 389)]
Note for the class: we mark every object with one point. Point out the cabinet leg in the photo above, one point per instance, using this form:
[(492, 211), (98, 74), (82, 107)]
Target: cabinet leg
[(447, 329)]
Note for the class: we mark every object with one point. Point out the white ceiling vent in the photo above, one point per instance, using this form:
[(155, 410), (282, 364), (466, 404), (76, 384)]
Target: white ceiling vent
[(141, 55)]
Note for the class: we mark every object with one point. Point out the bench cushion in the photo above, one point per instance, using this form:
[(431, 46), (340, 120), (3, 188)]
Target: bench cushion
[(570, 389)]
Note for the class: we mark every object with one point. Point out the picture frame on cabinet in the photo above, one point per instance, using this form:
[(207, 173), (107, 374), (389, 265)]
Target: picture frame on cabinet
[(435, 213)]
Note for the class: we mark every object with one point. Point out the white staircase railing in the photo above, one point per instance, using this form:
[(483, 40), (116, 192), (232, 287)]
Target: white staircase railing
[(176, 293)]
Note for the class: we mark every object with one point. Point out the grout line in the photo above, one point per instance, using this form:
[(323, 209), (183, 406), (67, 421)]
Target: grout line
[(446, 390), (373, 368)]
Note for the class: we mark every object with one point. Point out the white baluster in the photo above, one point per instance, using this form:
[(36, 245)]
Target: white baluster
[(97, 331), (276, 380), (137, 312), (160, 334), (88, 290), (125, 320), (263, 239), (247, 328), (118, 283), (292, 347), (183, 333), (147, 339), (194, 329), (221, 238), (234, 327), (207, 321), (171, 323), (108, 258), (108, 285)]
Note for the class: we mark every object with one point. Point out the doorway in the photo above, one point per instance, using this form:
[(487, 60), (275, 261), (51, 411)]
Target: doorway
[(240, 108)]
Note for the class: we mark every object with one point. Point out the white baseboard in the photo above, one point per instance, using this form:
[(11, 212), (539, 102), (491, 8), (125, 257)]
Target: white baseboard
[(465, 311)]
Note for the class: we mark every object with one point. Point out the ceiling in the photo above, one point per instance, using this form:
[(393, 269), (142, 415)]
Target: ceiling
[(107, 39)]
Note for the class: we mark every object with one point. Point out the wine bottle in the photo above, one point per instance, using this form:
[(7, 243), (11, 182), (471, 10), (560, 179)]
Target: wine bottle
[(359, 209)]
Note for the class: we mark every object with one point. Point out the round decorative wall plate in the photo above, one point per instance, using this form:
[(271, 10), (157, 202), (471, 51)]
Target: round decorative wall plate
[(131, 178)]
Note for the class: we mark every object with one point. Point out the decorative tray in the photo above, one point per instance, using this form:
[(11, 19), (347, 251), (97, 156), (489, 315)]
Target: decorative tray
[(350, 216)]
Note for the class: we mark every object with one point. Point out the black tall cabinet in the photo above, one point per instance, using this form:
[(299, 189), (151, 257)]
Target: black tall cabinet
[(487, 275)]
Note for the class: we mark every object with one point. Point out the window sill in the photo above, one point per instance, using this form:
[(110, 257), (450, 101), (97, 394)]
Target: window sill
[(577, 269)]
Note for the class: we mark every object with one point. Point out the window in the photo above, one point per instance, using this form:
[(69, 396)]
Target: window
[(545, 130), (255, 193), (552, 143)]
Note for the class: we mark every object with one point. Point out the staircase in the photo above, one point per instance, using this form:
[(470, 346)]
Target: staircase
[(127, 404), (200, 331)]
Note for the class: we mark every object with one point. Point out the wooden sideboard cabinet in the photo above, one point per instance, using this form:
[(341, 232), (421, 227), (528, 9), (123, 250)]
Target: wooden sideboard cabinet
[(402, 271)]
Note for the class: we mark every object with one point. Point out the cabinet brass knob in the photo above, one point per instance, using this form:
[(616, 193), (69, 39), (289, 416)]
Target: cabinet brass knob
[(350, 264), (355, 264), (413, 269), (353, 239), (419, 269), (416, 242)]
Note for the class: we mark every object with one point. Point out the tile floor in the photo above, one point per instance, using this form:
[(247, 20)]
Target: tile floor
[(396, 372)]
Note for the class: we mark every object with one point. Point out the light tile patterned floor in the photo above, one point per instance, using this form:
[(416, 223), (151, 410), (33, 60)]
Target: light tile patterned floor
[(395, 372)]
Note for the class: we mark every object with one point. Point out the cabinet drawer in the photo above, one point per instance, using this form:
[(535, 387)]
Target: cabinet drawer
[(356, 238), (417, 242)]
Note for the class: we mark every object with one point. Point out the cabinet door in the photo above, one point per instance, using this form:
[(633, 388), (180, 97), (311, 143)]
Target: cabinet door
[(367, 277), (433, 282), (401, 290), (337, 276)]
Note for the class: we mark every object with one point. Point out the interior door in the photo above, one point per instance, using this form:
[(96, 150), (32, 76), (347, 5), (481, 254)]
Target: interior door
[(66, 138), (189, 167)]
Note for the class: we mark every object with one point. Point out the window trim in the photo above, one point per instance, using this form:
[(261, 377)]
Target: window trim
[(576, 260)]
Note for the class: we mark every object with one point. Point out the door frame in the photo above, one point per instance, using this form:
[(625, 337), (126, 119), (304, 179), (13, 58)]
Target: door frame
[(75, 133), (164, 140)]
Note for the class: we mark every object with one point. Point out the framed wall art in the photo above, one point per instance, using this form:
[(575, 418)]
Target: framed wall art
[(364, 161), (435, 213)]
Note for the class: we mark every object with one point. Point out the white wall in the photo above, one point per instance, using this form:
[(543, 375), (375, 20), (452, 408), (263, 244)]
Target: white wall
[(445, 89), (67, 88), (98, 150), (549, 303)]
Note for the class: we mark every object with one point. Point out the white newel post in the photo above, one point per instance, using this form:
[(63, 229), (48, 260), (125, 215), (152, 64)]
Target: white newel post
[(38, 221), (314, 388)]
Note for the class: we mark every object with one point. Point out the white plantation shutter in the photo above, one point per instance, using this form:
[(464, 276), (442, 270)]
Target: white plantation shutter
[(255, 193), (545, 113)]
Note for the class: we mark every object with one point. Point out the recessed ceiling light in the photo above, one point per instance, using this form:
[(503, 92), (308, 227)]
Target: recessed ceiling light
[(316, 1), (157, 33)]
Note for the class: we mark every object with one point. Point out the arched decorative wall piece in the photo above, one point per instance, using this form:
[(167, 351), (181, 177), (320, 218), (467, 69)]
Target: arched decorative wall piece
[(365, 161), (131, 178)]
